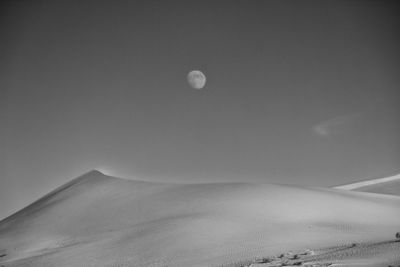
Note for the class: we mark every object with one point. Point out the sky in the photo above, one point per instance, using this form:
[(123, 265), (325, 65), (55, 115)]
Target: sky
[(297, 92)]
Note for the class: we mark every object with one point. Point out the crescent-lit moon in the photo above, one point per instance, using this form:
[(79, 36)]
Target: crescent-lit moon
[(196, 79)]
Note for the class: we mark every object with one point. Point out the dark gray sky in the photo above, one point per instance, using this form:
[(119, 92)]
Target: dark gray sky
[(298, 92)]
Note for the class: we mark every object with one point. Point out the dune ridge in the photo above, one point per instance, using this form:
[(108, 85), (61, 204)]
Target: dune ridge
[(99, 220), (385, 185)]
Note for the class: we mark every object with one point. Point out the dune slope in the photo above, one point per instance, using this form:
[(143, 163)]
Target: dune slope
[(98, 220)]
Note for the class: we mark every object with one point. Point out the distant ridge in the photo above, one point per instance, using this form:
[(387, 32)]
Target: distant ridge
[(368, 182), (386, 185)]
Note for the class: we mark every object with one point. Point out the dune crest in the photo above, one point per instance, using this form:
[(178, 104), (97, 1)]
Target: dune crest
[(386, 185), (99, 220)]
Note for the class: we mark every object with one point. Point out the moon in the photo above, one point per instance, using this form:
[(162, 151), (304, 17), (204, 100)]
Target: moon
[(196, 79)]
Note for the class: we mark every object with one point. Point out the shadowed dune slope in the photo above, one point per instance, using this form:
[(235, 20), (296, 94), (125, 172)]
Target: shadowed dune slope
[(98, 220)]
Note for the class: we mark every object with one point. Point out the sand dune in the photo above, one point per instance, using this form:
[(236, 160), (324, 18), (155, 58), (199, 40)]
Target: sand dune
[(386, 185), (98, 220)]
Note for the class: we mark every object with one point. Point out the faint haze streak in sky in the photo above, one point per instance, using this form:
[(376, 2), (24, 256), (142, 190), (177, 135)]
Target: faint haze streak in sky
[(336, 125)]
